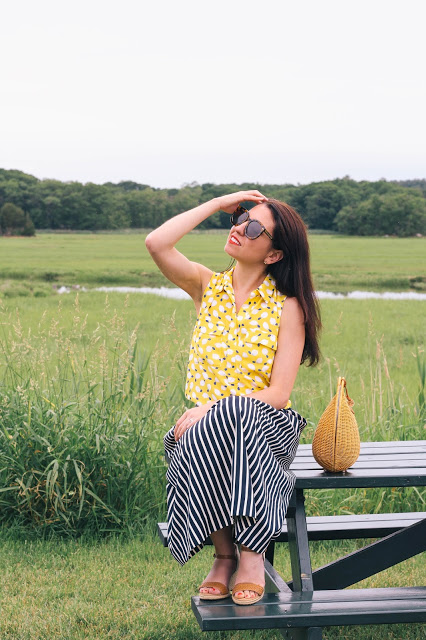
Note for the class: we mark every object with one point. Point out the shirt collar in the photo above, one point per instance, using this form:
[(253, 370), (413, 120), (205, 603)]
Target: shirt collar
[(267, 289)]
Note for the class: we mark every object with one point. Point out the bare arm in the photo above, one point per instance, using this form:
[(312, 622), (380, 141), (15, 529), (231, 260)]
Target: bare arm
[(160, 243), (291, 340), (190, 276)]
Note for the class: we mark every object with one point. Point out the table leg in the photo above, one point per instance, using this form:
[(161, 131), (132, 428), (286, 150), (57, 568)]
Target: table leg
[(301, 567)]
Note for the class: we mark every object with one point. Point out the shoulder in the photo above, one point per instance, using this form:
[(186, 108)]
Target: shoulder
[(292, 325), (292, 310)]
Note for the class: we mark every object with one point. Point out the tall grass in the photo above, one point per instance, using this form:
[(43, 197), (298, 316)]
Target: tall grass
[(86, 396), (81, 421)]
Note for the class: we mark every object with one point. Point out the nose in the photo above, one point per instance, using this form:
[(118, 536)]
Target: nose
[(239, 228)]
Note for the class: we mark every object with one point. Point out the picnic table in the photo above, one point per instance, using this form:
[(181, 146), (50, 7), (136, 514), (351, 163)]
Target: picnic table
[(314, 599)]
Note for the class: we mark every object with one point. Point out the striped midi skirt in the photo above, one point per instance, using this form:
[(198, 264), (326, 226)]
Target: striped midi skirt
[(231, 468)]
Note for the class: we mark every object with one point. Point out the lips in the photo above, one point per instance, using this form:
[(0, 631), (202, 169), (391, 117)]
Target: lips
[(234, 240)]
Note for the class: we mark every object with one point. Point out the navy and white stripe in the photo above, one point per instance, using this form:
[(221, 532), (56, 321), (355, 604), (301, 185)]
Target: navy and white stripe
[(231, 468)]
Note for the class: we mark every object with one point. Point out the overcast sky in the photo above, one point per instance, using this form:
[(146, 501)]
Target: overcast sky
[(169, 92)]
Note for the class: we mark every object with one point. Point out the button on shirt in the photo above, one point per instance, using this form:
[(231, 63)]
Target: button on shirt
[(233, 354)]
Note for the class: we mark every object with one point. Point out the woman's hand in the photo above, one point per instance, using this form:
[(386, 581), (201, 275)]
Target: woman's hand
[(230, 202), (189, 418)]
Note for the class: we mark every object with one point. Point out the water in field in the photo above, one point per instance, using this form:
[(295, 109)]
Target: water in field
[(178, 294)]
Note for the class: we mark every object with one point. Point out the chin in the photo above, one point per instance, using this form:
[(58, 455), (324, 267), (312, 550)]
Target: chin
[(230, 249)]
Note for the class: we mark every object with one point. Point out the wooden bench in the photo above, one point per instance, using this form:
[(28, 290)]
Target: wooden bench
[(292, 610), (288, 610), (366, 525), (314, 599)]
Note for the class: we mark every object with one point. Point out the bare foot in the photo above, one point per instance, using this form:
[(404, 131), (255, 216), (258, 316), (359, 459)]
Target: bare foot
[(221, 571), (250, 569)]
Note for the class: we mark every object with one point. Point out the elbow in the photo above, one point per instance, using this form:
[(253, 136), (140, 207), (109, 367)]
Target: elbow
[(282, 398), (150, 243), (284, 402), (279, 399)]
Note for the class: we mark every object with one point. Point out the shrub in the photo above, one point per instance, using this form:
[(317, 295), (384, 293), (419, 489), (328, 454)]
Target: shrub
[(400, 214), (13, 221), (28, 228)]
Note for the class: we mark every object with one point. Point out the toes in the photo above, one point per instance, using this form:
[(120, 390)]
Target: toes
[(245, 594), (211, 590)]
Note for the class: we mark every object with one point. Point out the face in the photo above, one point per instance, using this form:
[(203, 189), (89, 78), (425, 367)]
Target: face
[(243, 249)]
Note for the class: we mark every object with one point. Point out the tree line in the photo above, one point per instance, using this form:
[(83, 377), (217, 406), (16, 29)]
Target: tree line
[(343, 205)]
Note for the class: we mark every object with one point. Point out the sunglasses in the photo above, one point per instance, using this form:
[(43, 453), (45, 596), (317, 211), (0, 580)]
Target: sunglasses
[(254, 229)]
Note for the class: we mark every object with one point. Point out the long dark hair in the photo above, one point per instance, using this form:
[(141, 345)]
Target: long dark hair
[(292, 274)]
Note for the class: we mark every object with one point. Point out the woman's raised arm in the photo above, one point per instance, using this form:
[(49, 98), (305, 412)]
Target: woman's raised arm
[(190, 276)]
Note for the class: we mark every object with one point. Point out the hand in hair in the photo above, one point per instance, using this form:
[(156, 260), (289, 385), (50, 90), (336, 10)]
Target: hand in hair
[(230, 202)]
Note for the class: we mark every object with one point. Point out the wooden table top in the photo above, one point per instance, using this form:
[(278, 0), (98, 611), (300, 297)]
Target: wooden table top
[(380, 464)]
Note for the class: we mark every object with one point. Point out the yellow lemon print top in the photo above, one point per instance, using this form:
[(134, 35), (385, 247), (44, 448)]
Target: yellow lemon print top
[(233, 354)]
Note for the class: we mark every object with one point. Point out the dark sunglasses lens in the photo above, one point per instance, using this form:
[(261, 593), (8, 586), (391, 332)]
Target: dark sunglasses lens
[(253, 229), (239, 217)]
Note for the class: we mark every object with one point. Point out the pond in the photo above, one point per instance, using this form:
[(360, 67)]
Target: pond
[(178, 294)]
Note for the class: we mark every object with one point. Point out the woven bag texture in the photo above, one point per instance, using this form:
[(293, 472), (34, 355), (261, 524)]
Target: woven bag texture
[(336, 443)]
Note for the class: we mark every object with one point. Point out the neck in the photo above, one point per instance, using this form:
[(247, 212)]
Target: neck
[(248, 278)]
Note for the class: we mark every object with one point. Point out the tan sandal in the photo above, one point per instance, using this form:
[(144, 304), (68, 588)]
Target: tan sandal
[(223, 589), (248, 586)]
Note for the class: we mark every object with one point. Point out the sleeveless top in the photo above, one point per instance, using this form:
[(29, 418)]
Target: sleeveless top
[(233, 354)]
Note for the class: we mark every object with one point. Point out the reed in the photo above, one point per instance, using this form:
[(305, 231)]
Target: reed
[(81, 421), (86, 395)]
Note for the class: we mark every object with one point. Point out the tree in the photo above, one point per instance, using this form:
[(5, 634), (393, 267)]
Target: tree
[(323, 205), (14, 221), (12, 218), (28, 228), (400, 214)]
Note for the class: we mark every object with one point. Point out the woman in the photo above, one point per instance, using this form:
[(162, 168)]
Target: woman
[(228, 476)]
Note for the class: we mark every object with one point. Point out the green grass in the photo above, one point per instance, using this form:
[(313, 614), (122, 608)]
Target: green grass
[(133, 589), (339, 263), (134, 349), (376, 344), (90, 383)]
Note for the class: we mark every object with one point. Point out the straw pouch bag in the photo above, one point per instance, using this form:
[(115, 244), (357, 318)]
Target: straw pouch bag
[(336, 443)]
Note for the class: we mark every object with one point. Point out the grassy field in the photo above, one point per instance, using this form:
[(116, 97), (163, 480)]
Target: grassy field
[(377, 345), (75, 369), (339, 263), (134, 590), (94, 380)]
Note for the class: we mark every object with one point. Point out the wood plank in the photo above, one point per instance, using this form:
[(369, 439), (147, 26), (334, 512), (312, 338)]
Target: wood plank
[(412, 456), (336, 596), (370, 464), (380, 444), (341, 527), (377, 448), (314, 479), (162, 532), (274, 582), (367, 518), (370, 457), (373, 558), (330, 608)]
